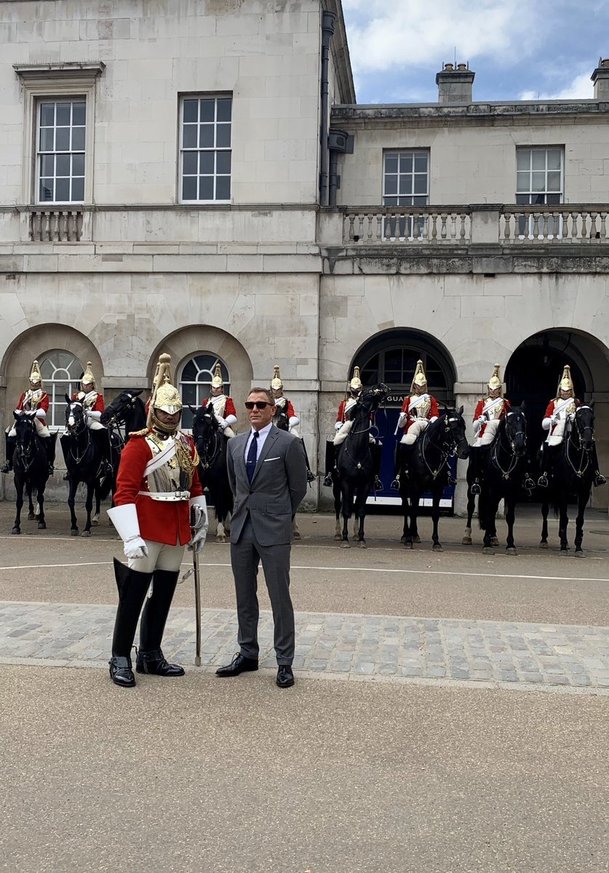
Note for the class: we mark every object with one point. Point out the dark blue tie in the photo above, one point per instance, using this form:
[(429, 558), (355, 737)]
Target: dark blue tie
[(252, 457)]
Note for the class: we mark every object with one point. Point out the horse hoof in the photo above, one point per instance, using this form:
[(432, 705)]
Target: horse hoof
[(579, 553), (220, 539), (494, 541), (437, 547), (362, 545), (564, 553), (95, 521), (74, 532), (511, 550), (297, 535), (346, 545), (42, 525), (466, 541), (488, 550), (31, 516), (86, 533), (16, 530), (402, 539), (543, 545), (417, 539), (338, 537)]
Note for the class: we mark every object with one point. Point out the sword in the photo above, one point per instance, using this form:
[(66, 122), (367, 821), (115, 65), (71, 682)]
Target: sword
[(194, 571)]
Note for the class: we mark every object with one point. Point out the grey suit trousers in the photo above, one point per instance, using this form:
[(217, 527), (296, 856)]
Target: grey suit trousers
[(246, 555)]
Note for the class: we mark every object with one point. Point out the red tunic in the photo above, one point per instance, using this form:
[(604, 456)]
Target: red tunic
[(434, 409), (480, 409), (342, 415), (229, 408), (43, 403), (288, 409), (160, 521)]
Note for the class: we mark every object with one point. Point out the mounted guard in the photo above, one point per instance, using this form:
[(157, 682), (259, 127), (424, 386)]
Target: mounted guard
[(93, 405), (285, 417), (224, 407), (158, 499), (559, 412), (418, 410), (33, 399)]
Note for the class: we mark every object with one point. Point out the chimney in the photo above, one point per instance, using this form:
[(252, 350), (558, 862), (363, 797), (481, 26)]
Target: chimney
[(455, 84), (600, 77)]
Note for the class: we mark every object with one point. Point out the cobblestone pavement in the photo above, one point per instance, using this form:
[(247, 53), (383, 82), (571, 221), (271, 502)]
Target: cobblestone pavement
[(497, 654)]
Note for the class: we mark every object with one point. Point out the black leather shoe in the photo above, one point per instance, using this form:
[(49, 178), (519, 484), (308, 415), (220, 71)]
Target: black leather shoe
[(154, 664), (239, 664), (285, 677), (121, 672)]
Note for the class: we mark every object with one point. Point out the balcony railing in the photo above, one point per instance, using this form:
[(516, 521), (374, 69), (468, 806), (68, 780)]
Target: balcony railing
[(471, 225), (55, 225)]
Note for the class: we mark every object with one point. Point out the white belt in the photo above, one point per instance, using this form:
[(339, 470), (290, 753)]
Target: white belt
[(167, 496)]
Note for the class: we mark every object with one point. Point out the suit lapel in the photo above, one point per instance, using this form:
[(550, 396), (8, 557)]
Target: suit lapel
[(268, 443), (240, 454)]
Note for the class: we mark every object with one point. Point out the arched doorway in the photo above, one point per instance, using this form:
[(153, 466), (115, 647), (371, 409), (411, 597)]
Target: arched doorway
[(391, 357)]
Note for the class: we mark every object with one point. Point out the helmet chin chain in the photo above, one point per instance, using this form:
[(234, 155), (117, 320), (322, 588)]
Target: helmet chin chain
[(167, 429)]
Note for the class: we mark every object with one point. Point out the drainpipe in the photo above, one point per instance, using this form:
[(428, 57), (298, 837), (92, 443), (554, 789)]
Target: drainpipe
[(327, 32)]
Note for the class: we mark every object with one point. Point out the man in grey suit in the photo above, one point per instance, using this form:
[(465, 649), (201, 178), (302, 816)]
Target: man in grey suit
[(268, 476)]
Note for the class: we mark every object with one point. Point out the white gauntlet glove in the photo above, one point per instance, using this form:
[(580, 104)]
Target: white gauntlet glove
[(125, 520), (222, 422), (402, 419)]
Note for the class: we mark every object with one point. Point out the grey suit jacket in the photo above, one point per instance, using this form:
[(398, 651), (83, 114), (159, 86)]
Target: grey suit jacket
[(277, 488)]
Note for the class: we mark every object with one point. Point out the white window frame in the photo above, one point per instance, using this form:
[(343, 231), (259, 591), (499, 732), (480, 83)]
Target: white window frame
[(69, 385), (54, 82), (410, 228), (55, 153), (202, 383), (550, 227), (199, 150)]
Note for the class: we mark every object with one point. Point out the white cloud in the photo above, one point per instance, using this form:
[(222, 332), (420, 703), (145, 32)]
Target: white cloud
[(415, 32), (581, 88)]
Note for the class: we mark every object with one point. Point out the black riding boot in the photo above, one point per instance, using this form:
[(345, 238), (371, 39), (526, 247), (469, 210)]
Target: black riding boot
[(150, 658), (103, 441), (599, 479), (330, 462), (546, 458), (403, 454), (475, 467), (132, 588), (377, 457), (50, 445), (11, 442), (310, 474)]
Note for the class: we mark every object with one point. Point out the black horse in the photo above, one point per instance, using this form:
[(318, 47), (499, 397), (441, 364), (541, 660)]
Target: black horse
[(211, 448), (428, 470), (31, 468), (83, 455), (572, 475), (353, 477), (503, 469), (125, 414)]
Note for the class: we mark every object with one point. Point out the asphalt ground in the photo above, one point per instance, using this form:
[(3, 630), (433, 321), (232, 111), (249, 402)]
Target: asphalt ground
[(331, 776)]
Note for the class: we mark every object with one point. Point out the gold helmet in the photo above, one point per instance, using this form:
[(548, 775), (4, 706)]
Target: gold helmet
[(419, 377), (495, 382), (36, 375), (356, 383), (276, 383), (217, 380), (164, 395), (566, 382), (87, 377)]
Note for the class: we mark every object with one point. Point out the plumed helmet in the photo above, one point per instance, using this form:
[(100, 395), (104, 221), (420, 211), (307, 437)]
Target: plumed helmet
[(164, 395), (495, 381), (566, 382), (419, 377), (87, 377), (276, 383), (35, 375), (356, 383), (217, 380)]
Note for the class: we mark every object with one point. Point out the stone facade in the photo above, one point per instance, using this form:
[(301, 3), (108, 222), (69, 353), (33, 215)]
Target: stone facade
[(280, 273)]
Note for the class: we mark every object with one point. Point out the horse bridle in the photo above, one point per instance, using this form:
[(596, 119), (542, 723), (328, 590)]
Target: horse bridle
[(514, 456), (217, 436), (584, 452), (28, 454), (445, 453), (76, 432)]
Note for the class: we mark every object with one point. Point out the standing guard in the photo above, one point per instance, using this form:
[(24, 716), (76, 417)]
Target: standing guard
[(224, 408), (343, 426), (93, 405), (158, 498), (285, 417), (558, 412), (33, 399), (418, 409)]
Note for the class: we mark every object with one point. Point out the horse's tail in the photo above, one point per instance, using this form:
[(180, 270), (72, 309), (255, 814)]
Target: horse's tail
[(105, 487)]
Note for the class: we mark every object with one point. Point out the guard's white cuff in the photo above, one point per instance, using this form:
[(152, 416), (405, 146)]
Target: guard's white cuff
[(402, 419), (338, 425), (40, 413), (231, 419), (94, 414), (434, 418), (125, 520), (546, 423), (293, 420)]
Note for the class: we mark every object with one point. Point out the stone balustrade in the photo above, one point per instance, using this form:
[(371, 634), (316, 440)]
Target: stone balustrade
[(48, 224)]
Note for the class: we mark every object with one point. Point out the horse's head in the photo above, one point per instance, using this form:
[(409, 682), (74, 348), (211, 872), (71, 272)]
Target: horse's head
[(204, 422), (583, 426), (75, 417), (515, 429), (25, 428), (122, 407), (371, 398), (454, 430)]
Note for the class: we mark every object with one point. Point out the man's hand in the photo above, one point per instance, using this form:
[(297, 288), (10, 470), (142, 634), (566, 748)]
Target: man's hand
[(135, 548)]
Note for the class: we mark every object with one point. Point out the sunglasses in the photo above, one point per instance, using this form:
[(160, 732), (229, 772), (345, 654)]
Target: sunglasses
[(256, 404)]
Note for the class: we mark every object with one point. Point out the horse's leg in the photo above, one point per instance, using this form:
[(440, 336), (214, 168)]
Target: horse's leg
[(545, 507), (95, 518), (563, 524), (347, 508), (31, 511), (471, 502), (73, 485), (337, 507), (360, 504), (435, 514), (89, 507), (42, 525), (510, 515), (582, 500), (18, 504)]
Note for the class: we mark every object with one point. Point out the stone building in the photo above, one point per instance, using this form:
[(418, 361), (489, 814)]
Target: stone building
[(195, 176)]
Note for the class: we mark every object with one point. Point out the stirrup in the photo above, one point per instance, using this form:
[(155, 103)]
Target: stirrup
[(528, 483), (378, 485), (328, 480), (475, 488), (395, 485), (599, 479), (310, 476), (7, 468), (542, 482)]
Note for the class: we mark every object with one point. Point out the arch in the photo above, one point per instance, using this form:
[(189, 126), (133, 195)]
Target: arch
[(391, 356)]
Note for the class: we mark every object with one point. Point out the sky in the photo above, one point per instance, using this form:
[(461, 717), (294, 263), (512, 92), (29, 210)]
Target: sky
[(526, 50)]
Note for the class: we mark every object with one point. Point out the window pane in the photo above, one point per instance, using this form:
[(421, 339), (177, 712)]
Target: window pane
[(62, 190), (539, 182), (206, 163), (223, 136), (78, 189), (553, 181), (189, 167), (420, 163), (522, 199), (405, 185), (78, 114), (223, 162), (189, 139), (47, 165), (62, 139), (523, 181), (391, 185), (554, 159), (62, 165), (78, 139), (208, 110), (391, 201), (78, 165), (189, 188), (539, 159), (552, 199), (191, 110), (523, 159), (47, 114), (206, 188), (420, 184), (46, 139), (63, 114), (224, 111), (46, 190), (406, 162), (206, 136), (223, 188), (391, 163)]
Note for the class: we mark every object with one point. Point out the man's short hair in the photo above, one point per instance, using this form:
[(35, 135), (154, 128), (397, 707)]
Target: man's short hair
[(265, 391)]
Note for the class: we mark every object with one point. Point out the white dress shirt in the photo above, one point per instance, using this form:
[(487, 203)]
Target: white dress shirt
[(262, 435)]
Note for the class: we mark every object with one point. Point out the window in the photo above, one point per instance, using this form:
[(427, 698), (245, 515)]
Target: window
[(205, 149), (405, 183), (60, 150), (539, 182), (61, 373), (195, 383), (395, 365)]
